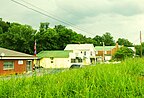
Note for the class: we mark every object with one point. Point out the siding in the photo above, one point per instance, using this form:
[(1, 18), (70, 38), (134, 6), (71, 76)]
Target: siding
[(57, 63)]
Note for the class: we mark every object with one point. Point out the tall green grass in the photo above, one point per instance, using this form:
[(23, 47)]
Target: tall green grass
[(124, 80)]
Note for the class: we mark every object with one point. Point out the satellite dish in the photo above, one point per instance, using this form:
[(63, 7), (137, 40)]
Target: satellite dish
[(2, 54)]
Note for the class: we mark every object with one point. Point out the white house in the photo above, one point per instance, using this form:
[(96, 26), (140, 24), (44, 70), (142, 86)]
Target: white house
[(82, 53)]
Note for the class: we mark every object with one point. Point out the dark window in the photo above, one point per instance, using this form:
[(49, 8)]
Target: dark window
[(73, 60), (79, 60), (51, 61), (8, 65), (91, 53), (51, 58), (85, 53)]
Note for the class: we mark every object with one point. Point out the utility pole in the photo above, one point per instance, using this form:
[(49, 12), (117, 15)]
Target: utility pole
[(103, 52), (140, 44)]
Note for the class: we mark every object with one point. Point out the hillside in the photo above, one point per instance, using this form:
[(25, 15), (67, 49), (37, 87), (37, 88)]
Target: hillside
[(104, 81)]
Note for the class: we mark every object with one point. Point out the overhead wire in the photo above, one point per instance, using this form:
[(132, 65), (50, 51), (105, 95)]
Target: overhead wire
[(69, 10), (49, 15)]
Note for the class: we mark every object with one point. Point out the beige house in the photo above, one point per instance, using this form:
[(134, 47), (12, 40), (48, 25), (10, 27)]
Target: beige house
[(54, 59), (82, 53), (105, 53)]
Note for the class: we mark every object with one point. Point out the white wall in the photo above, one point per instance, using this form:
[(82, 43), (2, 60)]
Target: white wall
[(57, 63), (107, 58), (81, 54)]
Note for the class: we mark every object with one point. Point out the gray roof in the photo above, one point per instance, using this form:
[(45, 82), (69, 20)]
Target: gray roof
[(11, 53)]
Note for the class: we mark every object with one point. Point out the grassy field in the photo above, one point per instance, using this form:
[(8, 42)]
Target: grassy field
[(124, 80)]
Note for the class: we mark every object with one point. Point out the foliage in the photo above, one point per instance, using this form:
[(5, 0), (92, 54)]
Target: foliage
[(4, 26), (138, 49), (106, 38), (123, 53), (125, 42), (123, 80), (18, 37), (57, 38), (98, 40), (21, 37)]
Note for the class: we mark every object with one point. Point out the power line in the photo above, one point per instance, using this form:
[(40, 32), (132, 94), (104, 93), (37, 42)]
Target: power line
[(69, 11), (49, 15)]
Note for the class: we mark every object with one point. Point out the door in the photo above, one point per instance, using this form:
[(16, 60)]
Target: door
[(29, 65)]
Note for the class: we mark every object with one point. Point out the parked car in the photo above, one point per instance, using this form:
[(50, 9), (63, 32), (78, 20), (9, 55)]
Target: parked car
[(75, 66)]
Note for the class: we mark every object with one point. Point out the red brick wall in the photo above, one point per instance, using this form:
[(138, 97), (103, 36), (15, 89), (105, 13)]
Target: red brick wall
[(18, 68)]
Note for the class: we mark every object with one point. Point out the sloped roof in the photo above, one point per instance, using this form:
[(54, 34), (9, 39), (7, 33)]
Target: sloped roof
[(79, 47), (55, 54), (106, 48), (11, 53)]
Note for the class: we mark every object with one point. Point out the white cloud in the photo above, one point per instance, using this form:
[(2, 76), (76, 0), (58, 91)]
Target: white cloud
[(122, 18)]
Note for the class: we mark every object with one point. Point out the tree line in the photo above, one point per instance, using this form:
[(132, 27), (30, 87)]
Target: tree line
[(21, 38)]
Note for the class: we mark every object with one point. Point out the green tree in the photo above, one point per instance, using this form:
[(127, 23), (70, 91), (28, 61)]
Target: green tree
[(44, 26), (19, 37), (138, 49), (78, 38), (47, 40), (1, 30), (58, 37), (98, 40), (67, 36), (123, 52), (4, 25), (108, 39), (125, 42)]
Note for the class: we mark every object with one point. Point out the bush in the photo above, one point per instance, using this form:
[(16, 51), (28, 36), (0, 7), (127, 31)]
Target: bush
[(123, 53)]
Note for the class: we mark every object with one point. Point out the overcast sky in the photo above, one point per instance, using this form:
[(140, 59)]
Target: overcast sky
[(122, 18)]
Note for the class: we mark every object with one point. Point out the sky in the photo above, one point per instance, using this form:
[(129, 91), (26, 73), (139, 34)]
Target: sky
[(121, 18)]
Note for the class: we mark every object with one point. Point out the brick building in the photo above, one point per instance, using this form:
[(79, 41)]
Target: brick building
[(13, 62)]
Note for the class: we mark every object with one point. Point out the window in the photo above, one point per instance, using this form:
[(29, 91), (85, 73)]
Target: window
[(85, 53), (79, 60), (91, 53), (51, 58), (105, 52), (51, 61), (73, 60), (8, 65)]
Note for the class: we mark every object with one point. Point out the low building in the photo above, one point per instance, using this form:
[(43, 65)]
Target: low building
[(55, 59), (13, 62), (82, 53), (105, 53)]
